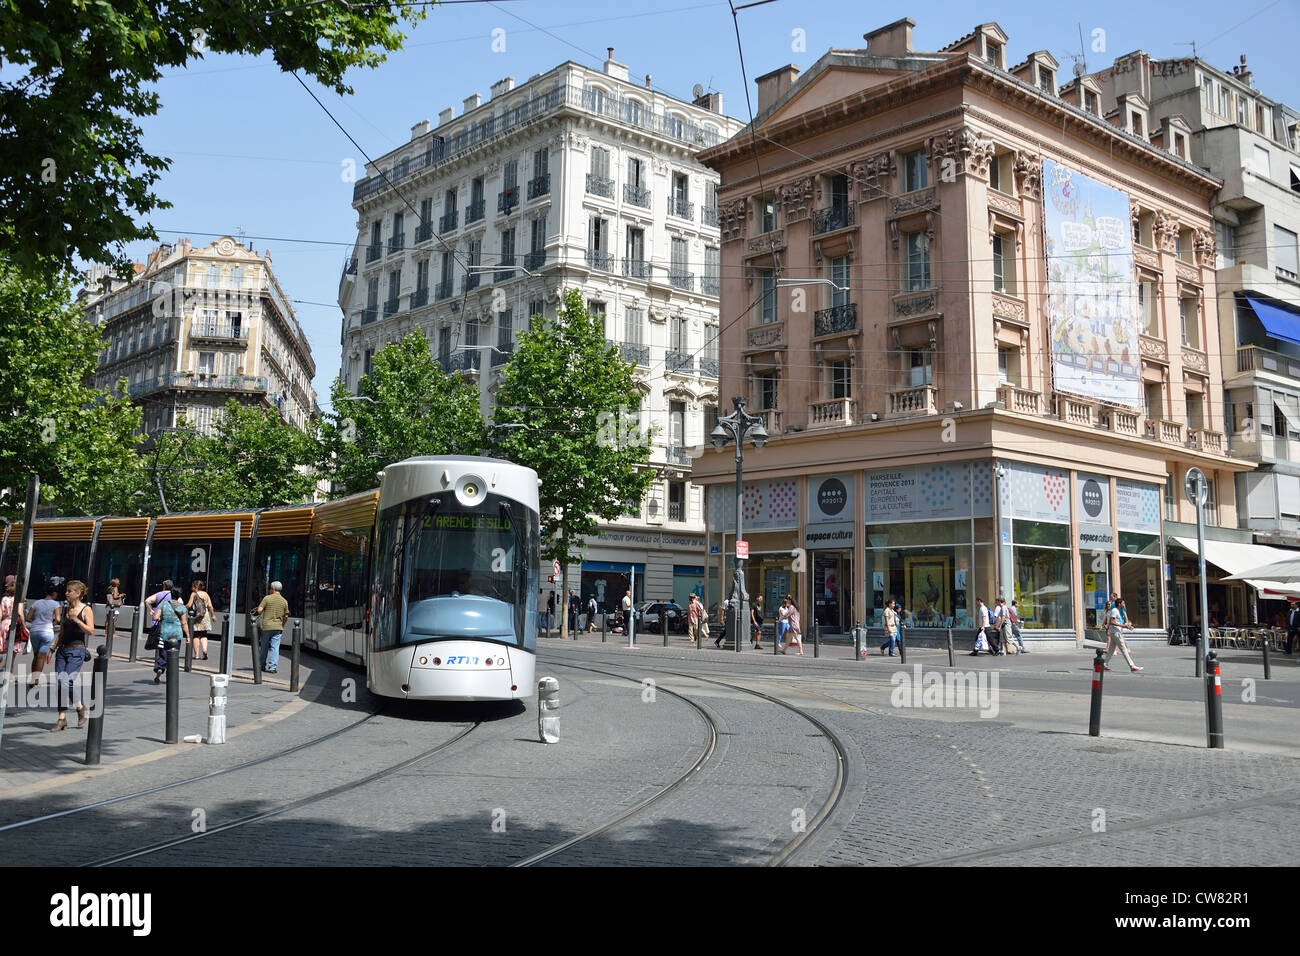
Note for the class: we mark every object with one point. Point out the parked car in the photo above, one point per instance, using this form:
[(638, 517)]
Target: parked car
[(648, 616)]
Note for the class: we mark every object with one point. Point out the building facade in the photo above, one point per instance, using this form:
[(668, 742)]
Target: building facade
[(1218, 120), (983, 349), (197, 326), (578, 178)]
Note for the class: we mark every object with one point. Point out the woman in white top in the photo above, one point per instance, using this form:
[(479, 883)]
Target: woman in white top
[(1118, 624)]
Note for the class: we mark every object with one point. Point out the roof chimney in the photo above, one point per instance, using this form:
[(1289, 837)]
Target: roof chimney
[(503, 86), (446, 116), (472, 102), (894, 39), (419, 129), (612, 68), (1245, 73), (647, 81), (772, 86)]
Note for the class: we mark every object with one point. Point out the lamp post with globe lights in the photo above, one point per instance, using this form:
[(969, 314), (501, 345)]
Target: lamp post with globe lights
[(735, 427)]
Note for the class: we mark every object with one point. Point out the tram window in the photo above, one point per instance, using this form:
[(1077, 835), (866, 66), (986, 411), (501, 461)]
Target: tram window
[(465, 553), (388, 579)]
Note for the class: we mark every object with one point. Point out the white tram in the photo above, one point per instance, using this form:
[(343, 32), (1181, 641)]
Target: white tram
[(454, 578)]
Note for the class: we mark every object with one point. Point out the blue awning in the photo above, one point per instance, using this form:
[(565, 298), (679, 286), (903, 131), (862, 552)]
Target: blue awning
[(1279, 321)]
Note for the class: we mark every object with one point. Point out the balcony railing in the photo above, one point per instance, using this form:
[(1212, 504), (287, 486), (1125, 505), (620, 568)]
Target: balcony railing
[(464, 360), (681, 280), (373, 252), (600, 186), (634, 352), (497, 124), (836, 217), (676, 511), (501, 354), (1170, 433), (599, 260), (710, 285), (420, 297), (443, 289), (475, 211), (771, 420), (676, 455), (508, 199), (683, 363), (534, 260), (918, 400), (1017, 399), (229, 383), (836, 319), (396, 243), (636, 195), (350, 266), (423, 232), (390, 307), (838, 411), (1252, 358), (679, 207), (505, 269), (1203, 439), (636, 268), (369, 315), (708, 368), (447, 221), (471, 281), (539, 186), (709, 215), (222, 331)]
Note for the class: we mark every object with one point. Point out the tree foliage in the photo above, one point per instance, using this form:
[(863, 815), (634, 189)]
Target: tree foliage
[(78, 440), (407, 406), (75, 179), (580, 402)]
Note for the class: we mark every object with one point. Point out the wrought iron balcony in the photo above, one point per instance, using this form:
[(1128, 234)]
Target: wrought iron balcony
[(350, 266), (676, 455), (680, 208), (444, 289), (636, 268), (390, 307), (681, 280), (539, 186), (683, 363), (600, 186), (634, 352), (676, 511), (396, 243), (373, 252), (599, 260), (219, 331), (836, 217), (505, 269), (836, 319), (508, 199), (369, 315), (636, 195), (475, 211), (423, 232), (420, 297), (710, 285), (447, 221), (534, 259), (465, 360), (472, 280), (501, 354), (708, 367), (709, 215)]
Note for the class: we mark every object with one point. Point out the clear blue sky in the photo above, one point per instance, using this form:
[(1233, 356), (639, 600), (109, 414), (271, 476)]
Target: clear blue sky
[(251, 149)]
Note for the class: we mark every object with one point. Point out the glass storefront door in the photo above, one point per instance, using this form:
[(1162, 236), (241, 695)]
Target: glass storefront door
[(832, 593)]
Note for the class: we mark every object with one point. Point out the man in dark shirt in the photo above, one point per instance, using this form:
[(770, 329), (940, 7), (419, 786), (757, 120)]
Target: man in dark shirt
[(1292, 625)]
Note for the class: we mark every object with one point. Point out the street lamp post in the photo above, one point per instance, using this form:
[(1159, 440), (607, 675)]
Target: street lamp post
[(735, 427)]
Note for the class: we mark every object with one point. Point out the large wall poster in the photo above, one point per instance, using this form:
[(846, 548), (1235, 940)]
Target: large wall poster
[(1091, 300)]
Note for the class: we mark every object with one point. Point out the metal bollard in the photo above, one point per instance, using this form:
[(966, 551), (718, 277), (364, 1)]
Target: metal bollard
[(817, 639), (902, 646), (173, 694), (548, 710), (951, 661), (1213, 703), (217, 708), (604, 620), (1198, 657), (224, 630), (98, 699), (664, 615), (110, 626), (1094, 711), (1268, 668), (857, 643), (295, 657), (255, 649), (189, 653)]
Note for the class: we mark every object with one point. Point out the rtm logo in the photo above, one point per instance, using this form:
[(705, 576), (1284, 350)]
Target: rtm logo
[(462, 660), (75, 909)]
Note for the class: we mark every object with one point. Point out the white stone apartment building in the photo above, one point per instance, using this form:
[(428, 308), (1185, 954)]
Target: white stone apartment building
[(1221, 122), (196, 326), (577, 178)]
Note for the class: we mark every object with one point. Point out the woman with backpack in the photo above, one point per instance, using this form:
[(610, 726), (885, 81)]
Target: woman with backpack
[(173, 626), (200, 607)]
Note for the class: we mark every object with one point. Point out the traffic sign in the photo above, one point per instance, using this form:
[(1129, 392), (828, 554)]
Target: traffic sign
[(555, 568), (1194, 484), (742, 549)]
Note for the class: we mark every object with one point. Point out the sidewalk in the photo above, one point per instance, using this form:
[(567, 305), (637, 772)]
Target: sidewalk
[(31, 757)]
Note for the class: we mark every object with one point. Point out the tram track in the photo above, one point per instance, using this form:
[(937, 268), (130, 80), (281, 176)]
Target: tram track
[(786, 854)]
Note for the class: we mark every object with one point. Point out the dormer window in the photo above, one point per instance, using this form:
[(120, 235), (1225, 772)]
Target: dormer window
[(992, 53), (1046, 80), (1135, 125), (1090, 102)]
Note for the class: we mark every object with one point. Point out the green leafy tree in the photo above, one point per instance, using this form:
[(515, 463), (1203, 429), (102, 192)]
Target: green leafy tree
[(80, 441), (578, 403), (75, 178), (406, 406)]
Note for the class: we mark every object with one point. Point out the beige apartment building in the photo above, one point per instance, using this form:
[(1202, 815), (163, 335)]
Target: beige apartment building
[(978, 319)]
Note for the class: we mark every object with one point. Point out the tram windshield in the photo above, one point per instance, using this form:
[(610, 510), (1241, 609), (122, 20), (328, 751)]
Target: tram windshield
[(462, 572)]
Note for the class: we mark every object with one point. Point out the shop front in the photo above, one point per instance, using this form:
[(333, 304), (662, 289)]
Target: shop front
[(828, 541), (775, 563)]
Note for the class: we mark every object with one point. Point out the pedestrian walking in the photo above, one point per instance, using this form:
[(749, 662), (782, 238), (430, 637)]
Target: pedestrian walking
[(982, 622), (173, 627), (113, 596), (794, 630), (1118, 624), (574, 607), (1013, 615), (70, 654), (891, 627), (9, 606), (592, 611), (275, 611), (756, 623), (200, 607), (626, 606), (42, 618), (1002, 627), (1292, 626), (724, 616), (694, 611), (550, 610), (153, 605)]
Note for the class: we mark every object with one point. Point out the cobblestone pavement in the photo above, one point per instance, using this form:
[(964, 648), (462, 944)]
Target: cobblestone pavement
[(924, 785)]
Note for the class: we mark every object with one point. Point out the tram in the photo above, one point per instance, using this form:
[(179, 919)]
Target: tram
[(430, 582)]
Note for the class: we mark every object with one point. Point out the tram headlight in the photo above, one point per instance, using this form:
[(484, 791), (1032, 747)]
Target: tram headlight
[(470, 491)]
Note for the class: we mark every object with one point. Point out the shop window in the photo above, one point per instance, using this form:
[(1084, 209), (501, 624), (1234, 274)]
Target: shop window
[(1041, 557)]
